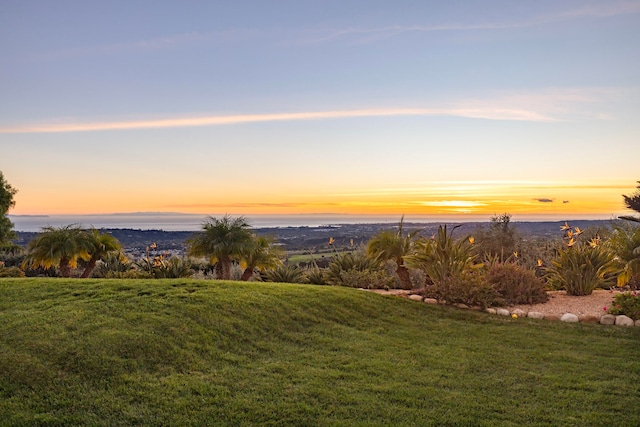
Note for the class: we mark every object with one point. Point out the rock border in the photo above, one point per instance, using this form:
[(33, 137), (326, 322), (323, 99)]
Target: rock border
[(605, 319)]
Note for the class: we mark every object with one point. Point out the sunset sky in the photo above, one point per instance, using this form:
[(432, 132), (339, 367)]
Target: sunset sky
[(285, 107)]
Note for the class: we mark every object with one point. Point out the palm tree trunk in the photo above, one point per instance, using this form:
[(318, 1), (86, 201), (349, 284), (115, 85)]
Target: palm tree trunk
[(226, 268), (65, 268), (246, 274), (403, 274), (91, 265), (219, 270)]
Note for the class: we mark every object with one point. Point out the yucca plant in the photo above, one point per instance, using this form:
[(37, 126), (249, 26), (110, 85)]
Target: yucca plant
[(580, 269), (442, 256), (285, 273)]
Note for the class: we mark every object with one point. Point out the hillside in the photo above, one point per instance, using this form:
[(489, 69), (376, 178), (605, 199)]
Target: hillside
[(186, 352)]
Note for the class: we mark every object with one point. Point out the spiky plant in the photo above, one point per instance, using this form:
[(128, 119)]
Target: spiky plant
[(442, 256), (581, 268), (285, 274)]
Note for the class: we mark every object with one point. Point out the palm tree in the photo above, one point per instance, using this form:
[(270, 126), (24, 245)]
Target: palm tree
[(632, 202), (390, 245), (59, 247), (101, 245), (260, 254), (625, 242), (222, 241)]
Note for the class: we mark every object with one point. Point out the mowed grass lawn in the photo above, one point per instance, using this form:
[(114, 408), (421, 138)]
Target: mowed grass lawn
[(187, 352)]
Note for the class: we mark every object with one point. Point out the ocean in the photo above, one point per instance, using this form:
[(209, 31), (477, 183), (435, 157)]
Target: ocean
[(193, 222)]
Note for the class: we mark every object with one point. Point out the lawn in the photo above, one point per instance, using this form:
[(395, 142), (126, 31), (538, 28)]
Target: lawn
[(187, 352)]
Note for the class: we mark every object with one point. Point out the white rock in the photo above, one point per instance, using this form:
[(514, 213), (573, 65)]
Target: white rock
[(459, 305), (490, 310), (608, 319), (430, 301), (535, 315), (623, 320), (638, 322), (569, 317), (503, 312), (519, 312), (415, 297)]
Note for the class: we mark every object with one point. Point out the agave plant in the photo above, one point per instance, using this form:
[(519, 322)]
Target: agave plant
[(580, 269), (442, 256)]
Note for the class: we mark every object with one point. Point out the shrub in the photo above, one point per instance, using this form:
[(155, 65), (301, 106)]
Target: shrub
[(11, 272), (581, 269), (367, 279), (514, 284), (348, 269), (628, 304), (285, 274), (315, 276), (468, 287)]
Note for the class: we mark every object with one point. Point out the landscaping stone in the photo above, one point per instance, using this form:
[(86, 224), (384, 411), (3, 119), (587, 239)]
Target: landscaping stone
[(503, 312), (589, 319), (623, 320), (519, 312), (461, 305), (415, 297), (638, 322), (490, 310), (535, 315), (569, 317), (430, 300), (608, 319)]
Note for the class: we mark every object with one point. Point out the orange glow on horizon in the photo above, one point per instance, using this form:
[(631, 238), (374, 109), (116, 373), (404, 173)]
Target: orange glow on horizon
[(484, 199)]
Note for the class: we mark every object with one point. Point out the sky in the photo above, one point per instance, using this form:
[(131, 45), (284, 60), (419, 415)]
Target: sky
[(293, 107)]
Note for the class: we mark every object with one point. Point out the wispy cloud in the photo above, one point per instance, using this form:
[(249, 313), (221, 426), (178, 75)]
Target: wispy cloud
[(367, 34), (544, 200), (478, 113), (551, 105)]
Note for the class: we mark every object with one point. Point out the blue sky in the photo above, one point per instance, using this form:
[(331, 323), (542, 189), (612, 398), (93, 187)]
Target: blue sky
[(349, 106)]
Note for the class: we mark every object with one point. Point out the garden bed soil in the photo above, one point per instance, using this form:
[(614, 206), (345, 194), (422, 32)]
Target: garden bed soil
[(587, 307)]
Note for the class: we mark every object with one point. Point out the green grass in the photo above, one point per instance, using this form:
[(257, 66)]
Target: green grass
[(185, 352), (298, 258)]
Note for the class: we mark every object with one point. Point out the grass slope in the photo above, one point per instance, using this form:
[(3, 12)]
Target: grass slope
[(185, 352)]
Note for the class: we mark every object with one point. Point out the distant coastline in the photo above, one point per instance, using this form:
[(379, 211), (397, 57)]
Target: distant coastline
[(171, 221)]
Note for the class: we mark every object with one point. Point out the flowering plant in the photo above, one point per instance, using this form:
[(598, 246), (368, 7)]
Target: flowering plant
[(627, 303)]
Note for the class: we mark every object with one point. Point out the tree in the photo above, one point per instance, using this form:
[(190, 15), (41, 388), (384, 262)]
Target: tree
[(100, 245), (390, 245), (499, 241), (632, 202), (6, 202), (222, 241), (260, 254), (59, 247)]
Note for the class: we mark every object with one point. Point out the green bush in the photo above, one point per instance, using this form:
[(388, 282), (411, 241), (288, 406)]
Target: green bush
[(628, 304), (11, 272), (468, 287), (514, 284), (367, 279)]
